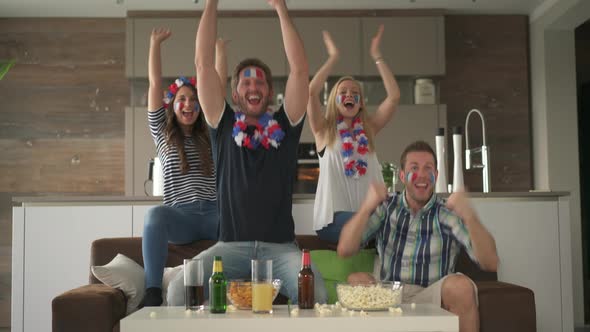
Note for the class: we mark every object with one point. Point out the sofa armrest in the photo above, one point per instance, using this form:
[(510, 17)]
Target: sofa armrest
[(506, 307), (90, 308)]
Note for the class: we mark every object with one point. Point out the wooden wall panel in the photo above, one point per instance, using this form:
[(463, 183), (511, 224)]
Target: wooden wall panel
[(62, 118), (487, 65)]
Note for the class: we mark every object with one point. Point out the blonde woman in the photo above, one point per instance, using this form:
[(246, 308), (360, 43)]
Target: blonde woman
[(345, 139)]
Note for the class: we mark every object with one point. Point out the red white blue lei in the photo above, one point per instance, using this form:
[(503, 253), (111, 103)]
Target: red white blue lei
[(353, 167), (267, 132)]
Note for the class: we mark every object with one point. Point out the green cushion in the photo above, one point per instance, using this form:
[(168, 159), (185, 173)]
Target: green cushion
[(336, 269)]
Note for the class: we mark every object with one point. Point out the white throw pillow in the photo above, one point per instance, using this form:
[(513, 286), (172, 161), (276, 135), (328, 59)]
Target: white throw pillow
[(169, 274), (125, 274)]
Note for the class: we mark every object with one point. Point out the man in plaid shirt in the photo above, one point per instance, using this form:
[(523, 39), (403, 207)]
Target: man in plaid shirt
[(419, 236)]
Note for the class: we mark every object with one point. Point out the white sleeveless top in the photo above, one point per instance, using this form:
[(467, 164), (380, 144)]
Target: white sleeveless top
[(338, 192)]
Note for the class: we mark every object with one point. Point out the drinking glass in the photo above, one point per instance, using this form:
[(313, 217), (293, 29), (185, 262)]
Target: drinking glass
[(262, 289), (193, 284)]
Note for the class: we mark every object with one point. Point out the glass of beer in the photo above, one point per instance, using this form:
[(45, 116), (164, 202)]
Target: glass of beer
[(262, 289), (193, 284)]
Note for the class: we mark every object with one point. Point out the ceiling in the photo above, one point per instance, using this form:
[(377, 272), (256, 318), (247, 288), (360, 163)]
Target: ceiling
[(119, 8)]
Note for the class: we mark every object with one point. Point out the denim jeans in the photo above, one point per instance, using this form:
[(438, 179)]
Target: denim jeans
[(236, 257), (331, 233), (180, 224)]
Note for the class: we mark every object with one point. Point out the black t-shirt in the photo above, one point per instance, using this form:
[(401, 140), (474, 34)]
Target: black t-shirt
[(255, 187)]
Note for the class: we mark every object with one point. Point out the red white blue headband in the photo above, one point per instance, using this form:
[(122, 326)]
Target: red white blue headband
[(174, 87)]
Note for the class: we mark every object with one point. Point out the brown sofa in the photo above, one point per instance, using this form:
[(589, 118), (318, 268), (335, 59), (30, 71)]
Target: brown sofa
[(97, 307)]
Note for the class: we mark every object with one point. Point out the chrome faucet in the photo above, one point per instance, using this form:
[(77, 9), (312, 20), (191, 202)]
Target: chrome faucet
[(484, 150)]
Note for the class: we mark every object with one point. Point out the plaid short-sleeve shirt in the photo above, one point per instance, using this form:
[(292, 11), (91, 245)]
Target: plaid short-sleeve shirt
[(418, 249)]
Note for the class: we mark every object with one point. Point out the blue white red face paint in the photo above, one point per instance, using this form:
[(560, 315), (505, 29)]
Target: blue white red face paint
[(179, 106), (341, 98), (253, 72), (411, 177)]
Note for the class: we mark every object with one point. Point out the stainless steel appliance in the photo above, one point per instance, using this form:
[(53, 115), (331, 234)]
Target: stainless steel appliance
[(308, 168)]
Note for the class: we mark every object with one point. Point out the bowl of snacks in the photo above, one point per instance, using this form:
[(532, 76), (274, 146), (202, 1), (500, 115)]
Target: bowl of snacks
[(239, 292), (370, 296)]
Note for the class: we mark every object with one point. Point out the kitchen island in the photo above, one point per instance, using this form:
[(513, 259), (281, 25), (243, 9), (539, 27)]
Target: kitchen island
[(52, 236)]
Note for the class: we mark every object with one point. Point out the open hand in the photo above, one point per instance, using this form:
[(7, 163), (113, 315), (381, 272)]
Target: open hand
[(160, 34), (376, 42), (459, 203), (330, 46)]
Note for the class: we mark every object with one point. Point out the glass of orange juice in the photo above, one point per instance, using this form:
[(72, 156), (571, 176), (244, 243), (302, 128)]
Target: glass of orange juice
[(262, 288)]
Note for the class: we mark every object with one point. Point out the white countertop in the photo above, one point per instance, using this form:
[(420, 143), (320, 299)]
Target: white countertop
[(297, 198)]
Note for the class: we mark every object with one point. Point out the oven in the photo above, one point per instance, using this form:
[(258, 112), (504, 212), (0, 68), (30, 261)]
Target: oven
[(308, 169)]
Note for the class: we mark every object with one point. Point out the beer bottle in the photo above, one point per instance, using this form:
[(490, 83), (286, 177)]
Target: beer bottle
[(217, 288), (305, 282)]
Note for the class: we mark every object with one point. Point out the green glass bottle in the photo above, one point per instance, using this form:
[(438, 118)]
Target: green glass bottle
[(217, 288)]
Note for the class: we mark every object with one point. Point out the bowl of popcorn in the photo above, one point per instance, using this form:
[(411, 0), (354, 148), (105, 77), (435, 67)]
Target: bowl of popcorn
[(370, 296), (239, 292)]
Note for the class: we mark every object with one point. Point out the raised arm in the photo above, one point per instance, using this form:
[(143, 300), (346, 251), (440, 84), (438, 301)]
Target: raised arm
[(388, 107), (221, 62), (208, 85), (484, 245), (352, 232), (316, 118), (296, 91), (155, 91)]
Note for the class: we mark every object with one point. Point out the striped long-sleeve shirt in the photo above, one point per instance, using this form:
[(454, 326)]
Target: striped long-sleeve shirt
[(180, 188), (418, 249)]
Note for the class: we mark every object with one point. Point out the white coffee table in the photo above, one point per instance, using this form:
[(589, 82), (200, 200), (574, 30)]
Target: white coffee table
[(425, 317)]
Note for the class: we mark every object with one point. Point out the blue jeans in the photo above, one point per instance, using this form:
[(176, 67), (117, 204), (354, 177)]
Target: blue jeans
[(180, 224), (331, 233), (236, 257)]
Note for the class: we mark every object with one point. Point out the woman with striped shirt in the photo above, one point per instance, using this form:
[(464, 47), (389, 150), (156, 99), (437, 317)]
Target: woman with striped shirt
[(189, 212)]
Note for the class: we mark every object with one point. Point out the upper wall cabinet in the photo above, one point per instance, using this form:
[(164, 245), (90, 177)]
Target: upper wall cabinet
[(411, 46), (346, 33), (253, 37), (178, 51)]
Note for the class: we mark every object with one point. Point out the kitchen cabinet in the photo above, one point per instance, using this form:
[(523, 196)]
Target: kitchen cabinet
[(178, 51), (412, 46), (346, 33), (254, 37), (51, 247), (409, 124), (139, 149)]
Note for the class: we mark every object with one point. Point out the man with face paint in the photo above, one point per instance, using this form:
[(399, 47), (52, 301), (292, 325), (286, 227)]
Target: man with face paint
[(419, 236), (255, 153)]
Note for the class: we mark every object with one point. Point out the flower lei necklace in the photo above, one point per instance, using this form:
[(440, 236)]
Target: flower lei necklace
[(267, 132), (353, 167)]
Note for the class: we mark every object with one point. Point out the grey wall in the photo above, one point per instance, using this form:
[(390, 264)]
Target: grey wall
[(555, 132)]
